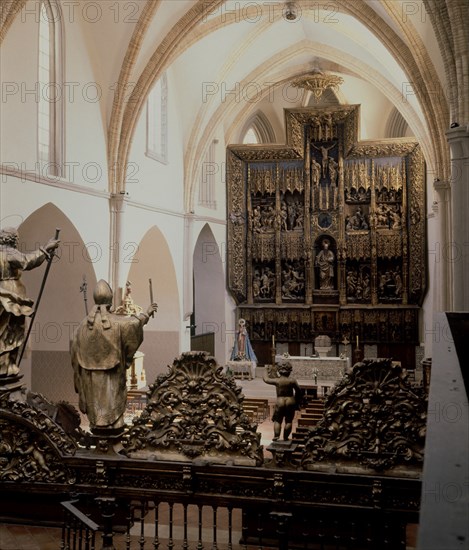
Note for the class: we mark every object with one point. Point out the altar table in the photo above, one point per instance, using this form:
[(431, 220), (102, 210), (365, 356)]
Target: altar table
[(242, 368), (329, 369)]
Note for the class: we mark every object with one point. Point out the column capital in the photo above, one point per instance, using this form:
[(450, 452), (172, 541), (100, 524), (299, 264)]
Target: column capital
[(458, 139), (441, 185), (117, 202)]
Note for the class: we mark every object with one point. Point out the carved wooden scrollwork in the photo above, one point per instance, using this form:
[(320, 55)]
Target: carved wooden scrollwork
[(32, 445), (195, 411), (263, 247), (373, 417), (292, 245)]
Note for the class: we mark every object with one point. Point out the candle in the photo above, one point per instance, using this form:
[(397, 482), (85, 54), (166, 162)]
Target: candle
[(273, 340), (357, 341)]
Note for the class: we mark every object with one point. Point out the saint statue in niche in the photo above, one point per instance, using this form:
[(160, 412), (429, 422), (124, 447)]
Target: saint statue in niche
[(325, 262)]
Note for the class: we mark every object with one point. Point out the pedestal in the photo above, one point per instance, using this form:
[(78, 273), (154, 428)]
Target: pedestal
[(240, 368), (13, 386), (282, 453), (357, 355)]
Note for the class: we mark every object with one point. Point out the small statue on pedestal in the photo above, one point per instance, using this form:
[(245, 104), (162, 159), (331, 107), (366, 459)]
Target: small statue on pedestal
[(102, 350), (288, 399), (325, 261), (242, 349)]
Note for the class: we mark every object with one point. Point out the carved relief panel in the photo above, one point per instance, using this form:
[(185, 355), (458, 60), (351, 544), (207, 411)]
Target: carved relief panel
[(326, 222)]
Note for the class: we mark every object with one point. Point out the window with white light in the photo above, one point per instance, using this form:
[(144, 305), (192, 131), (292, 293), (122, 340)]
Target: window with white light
[(50, 90), (207, 183), (251, 137), (257, 129), (157, 121)]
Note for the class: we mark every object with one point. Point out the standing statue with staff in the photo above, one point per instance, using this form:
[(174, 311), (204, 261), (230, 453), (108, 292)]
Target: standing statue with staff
[(14, 304), (102, 350)]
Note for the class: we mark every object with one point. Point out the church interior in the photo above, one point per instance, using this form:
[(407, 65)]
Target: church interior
[(284, 181)]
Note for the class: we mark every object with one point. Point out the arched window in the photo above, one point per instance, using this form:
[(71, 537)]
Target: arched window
[(50, 90), (396, 126), (157, 121), (251, 137), (257, 130), (207, 184)]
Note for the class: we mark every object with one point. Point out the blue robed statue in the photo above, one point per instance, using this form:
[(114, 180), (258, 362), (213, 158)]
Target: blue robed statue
[(242, 349)]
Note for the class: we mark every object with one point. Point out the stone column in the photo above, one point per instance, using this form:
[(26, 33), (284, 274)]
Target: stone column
[(442, 293), (117, 208), (458, 139)]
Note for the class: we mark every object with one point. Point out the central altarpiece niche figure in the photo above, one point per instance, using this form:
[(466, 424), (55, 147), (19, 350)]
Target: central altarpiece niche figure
[(335, 239)]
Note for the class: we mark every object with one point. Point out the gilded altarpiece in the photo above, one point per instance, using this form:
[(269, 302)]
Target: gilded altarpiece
[(326, 234)]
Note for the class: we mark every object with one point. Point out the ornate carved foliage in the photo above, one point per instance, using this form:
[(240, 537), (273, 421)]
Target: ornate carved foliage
[(366, 197), (417, 274), (32, 445), (195, 411), (358, 245), (373, 417), (236, 231)]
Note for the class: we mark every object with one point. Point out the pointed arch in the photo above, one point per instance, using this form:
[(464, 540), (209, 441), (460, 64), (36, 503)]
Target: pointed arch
[(435, 113), (396, 125), (47, 367), (153, 260), (209, 290), (259, 124)]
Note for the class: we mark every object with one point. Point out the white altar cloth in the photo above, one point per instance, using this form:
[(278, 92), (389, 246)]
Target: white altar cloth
[(242, 367), (330, 369)]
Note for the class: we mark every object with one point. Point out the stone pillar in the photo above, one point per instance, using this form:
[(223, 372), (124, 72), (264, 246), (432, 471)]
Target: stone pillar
[(458, 139), (117, 207), (443, 291), (188, 263)]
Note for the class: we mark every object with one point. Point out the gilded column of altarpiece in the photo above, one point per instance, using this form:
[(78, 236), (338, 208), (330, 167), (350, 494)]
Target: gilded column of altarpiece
[(326, 234)]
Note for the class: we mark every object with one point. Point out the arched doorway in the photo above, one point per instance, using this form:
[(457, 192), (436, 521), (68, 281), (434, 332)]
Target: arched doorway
[(153, 261), (209, 292), (46, 363)]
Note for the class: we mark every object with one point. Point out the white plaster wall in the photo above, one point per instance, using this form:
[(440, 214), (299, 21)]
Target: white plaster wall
[(85, 116), (89, 214), (427, 334), (18, 75), (151, 181), (81, 92)]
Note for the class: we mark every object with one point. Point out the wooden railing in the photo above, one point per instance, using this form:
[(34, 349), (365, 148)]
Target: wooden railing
[(191, 473), (185, 506)]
